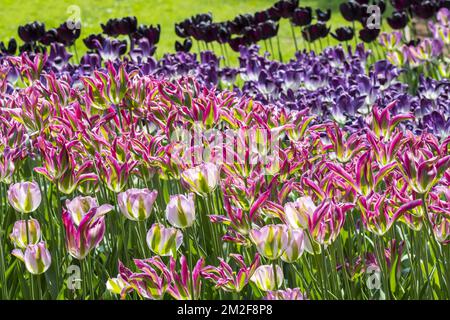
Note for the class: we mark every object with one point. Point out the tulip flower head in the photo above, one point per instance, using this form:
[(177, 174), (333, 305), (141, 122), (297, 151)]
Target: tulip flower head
[(36, 257), (137, 204), (271, 240), (85, 225), (180, 211), (19, 233), (24, 197), (295, 247), (298, 212), (202, 179), (264, 278), (164, 241)]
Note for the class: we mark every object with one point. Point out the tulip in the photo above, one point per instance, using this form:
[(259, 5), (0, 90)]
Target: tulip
[(368, 35), (299, 212), (31, 32), (137, 204), (10, 49), (224, 277), (153, 281), (184, 46), (398, 20), (180, 211), (123, 26), (323, 15), (264, 278), (19, 235), (400, 5), (295, 247), (36, 257), (350, 10), (327, 221), (425, 9), (391, 41), (343, 34), (271, 240), (120, 284), (67, 35), (24, 197), (202, 179), (114, 173), (302, 17), (380, 213), (422, 173), (84, 222), (439, 213), (288, 294), (164, 241)]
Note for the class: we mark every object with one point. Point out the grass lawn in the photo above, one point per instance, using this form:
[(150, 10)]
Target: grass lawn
[(165, 12)]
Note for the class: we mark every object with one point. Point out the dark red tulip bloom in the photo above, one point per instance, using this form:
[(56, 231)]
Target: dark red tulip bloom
[(369, 35), (343, 34), (351, 11), (302, 17), (323, 15), (398, 20), (10, 49), (185, 46), (31, 32), (425, 9), (91, 42)]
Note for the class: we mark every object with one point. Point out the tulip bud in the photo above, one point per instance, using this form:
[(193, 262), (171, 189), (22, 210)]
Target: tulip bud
[(137, 204), (24, 197), (295, 247), (202, 179), (271, 240), (180, 211), (264, 278), (79, 206), (85, 225), (298, 212), (164, 241), (37, 258), (19, 233)]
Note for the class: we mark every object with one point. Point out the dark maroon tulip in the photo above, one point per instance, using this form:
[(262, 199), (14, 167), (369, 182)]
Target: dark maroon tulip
[(151, 33), (425, 9), (180, 31), (343, 34), (91, 42), (123, 26), (398, 21), (351, 10), (315, 31), (31, 32), (323, 15), (302, 17), (267, 30), (363, 1), (49, 37), (261, 16), (67, 36), (11, 49), (223, 33), (369, 35), (185, 46), (286, 8), (401, 5)]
